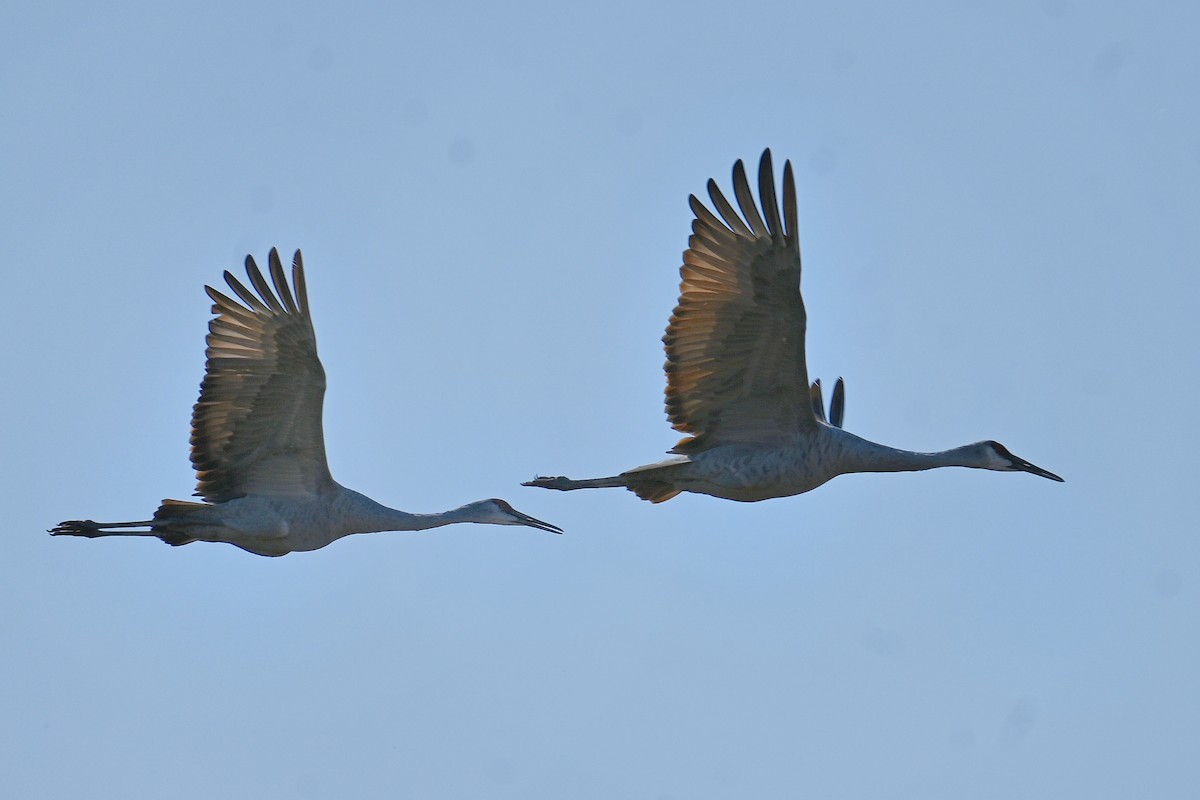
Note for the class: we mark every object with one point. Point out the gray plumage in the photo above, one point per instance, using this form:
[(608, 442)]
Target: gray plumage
[(737, 382), (258, 447)]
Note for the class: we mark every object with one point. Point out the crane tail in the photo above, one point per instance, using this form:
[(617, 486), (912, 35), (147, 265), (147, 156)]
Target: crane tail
[(654, 491), (175, 518)]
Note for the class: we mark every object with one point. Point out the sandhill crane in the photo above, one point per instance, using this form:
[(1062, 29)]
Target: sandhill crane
[(257, 443), (736, 378)]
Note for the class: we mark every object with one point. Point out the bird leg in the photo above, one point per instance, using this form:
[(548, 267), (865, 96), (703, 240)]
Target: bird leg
[(93, 530)]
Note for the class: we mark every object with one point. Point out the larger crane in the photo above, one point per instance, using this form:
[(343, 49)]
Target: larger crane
[(257, 443), (737, 383)]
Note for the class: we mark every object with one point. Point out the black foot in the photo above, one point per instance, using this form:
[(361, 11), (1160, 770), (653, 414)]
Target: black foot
[(76, 527), (560, 482)]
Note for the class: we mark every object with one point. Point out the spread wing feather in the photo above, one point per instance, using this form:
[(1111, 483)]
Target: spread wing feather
[(735, 343), (257, 426)]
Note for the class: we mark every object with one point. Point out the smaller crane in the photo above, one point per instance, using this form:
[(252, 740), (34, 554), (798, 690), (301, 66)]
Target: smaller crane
[(258, 447)]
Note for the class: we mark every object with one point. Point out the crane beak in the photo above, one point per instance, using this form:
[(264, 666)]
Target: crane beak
[(533, 522), (1022, 465)]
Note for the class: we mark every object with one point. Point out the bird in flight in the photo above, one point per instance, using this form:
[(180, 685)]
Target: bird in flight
[(737, 383), (257, 443)]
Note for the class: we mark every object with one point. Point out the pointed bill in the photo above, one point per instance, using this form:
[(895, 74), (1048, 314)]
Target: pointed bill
[(1024, 466), (533, 522)]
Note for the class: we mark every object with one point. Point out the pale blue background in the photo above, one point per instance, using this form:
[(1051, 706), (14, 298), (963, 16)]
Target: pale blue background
[(999, 215)]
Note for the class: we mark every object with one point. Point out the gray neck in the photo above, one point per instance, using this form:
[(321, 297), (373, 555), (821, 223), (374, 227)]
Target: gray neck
[(862, 455), (364, 515)]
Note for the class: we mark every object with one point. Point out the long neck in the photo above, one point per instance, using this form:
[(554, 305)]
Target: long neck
[(861, 455), (364, 515)]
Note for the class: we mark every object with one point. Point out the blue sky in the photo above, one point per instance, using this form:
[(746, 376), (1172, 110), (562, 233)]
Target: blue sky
[(998, 213)]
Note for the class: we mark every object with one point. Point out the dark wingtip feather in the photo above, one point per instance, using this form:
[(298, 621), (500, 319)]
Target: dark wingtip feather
[(837, 405), (766, 193), (790, 215), (817, 400), (745, 198), (248, 297), (279, 279), (726, 210), (299, 284), (261, 285)]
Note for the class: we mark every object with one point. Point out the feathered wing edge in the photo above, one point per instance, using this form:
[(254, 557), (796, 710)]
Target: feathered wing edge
[(735, 341), (257, 424)]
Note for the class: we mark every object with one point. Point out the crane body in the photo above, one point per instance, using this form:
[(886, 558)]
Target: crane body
[(748, 472), (737, 381)]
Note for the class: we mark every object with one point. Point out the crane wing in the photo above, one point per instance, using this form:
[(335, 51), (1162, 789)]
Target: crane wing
[(735, 342), (257, 426)]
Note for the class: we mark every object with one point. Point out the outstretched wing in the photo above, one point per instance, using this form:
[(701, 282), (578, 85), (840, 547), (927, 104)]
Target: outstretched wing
[(735, 342), (257, 426)]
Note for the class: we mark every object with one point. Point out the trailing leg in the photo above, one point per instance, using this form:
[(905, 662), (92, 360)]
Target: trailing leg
[(93, 530), (649, 483), (565, 484), (176, 522)]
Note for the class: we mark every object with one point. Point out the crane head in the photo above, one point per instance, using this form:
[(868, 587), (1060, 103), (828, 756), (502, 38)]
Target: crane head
[(998, 457), (499, 512)]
